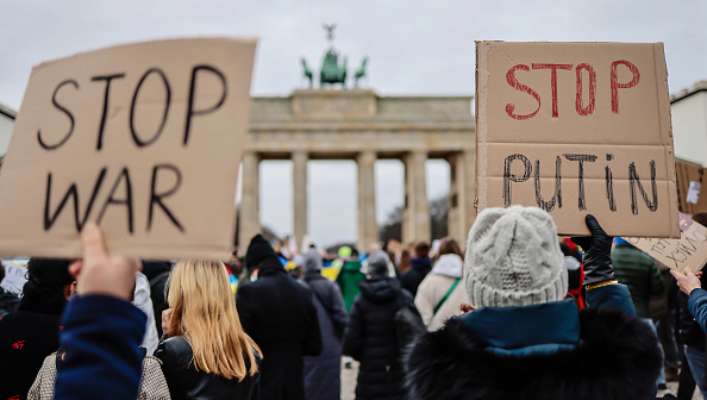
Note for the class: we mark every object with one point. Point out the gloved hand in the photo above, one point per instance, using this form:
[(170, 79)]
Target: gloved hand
[(597, 253)]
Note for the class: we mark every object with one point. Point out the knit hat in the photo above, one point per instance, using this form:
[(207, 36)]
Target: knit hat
[(513, 258), (377, 264), (312, 260), (258, 251)]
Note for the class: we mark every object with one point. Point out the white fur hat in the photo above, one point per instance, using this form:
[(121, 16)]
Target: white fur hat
[(513, 258)]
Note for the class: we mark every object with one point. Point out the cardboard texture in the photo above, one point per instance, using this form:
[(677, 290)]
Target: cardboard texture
[(144, 139), (577, 128), (687, 253)]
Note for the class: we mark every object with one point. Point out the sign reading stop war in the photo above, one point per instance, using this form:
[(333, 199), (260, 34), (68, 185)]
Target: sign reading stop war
[(687, 253), (577, 128), (144, 139)]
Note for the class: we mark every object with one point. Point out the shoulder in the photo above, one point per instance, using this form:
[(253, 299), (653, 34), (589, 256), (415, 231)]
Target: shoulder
[(174, 351), (617, 354)]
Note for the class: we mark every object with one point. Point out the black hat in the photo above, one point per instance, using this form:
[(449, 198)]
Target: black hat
[(44, 290), (259, 250), (49, 272)]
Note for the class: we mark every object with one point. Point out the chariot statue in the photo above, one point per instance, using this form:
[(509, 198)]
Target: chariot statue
[(334, 68)]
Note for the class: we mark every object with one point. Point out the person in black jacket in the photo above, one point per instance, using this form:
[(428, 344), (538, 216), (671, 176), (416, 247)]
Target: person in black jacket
[(31, 333), (524, 339), (208, 355), (371, 337), (420, 266), (278, 313)]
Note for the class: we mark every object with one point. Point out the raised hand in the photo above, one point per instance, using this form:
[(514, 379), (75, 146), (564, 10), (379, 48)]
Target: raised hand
[(99, 272)]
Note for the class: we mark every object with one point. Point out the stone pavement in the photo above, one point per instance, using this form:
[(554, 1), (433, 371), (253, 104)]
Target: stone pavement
[(348, 384)]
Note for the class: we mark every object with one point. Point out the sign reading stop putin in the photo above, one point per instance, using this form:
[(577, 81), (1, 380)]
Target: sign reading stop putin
[(144, 139), (577, 128)]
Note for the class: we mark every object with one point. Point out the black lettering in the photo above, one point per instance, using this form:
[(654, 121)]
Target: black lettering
[(165, 112), (127, 201), (73, 193), (508, 177), (609, 182), (557, 196), (581, 159), (636, 183), (106, 96), (68, 113), (191, 109), (156, 198)]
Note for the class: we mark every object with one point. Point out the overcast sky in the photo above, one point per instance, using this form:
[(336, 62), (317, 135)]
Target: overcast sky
[(415, 47)]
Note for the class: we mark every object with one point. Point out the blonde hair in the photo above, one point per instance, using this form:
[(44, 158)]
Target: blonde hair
[(204, 312)]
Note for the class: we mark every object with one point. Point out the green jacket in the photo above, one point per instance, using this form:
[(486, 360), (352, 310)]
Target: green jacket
[(640, 273), (348, 280)]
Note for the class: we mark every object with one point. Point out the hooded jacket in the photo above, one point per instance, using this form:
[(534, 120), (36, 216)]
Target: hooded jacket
[(545, 351), (446, 271), (371, 339)]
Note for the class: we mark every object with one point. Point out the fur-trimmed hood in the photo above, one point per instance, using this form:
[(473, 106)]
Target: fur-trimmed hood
[(616, 357)]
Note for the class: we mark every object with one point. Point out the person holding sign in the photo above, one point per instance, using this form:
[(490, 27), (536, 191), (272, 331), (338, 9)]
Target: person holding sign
[(524, 339)]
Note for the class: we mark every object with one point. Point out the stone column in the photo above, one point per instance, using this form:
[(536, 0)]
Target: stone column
[(367, 226), (299, 194), (416, 218), (462, 196), (249, 223)]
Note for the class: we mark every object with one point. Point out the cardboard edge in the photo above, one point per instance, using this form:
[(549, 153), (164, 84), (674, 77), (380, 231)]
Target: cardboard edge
[(480, 109), (666, 129), (245, 40)]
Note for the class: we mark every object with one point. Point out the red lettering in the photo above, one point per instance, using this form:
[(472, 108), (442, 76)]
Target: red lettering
[(553, 81), (513, 82), (578, 102), (616, 85)]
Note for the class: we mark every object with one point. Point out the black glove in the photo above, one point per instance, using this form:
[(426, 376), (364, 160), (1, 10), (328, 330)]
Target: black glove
[(597, 253)]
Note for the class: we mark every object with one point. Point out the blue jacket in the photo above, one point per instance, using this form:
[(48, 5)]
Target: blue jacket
[(697, 304), (101, 337)]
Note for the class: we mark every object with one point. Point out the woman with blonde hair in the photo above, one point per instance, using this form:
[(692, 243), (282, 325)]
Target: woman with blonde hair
[(208, 355)]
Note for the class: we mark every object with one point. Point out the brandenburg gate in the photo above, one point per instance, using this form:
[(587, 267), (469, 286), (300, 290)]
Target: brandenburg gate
[(362, 126)]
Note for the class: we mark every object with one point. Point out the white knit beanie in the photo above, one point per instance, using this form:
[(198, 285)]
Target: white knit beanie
[(513, 258)]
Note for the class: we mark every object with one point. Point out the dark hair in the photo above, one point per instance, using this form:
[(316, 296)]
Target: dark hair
[(2, 271), (450, 246), (422, 249), (47, 279), (700, 218)]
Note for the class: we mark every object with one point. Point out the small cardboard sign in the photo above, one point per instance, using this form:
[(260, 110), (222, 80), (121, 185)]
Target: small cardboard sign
[(577, 128), (144, 139), (687, 253)]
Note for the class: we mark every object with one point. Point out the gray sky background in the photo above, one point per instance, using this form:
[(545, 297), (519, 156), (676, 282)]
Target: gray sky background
[(415, 47)]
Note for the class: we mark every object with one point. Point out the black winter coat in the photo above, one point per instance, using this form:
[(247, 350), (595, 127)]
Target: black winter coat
[(186, 383), (371, 339), (618, 358), (26, 338), (278, 313), (412, 278)]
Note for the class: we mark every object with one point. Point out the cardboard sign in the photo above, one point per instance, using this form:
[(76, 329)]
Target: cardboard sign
[(577, 128), (687, 253), (145, 139)]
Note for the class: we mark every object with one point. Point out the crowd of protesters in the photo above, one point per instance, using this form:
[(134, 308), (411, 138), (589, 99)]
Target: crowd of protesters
[(515, 312)]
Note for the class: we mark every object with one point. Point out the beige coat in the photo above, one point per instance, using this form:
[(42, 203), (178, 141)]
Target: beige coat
[(433, 288)]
